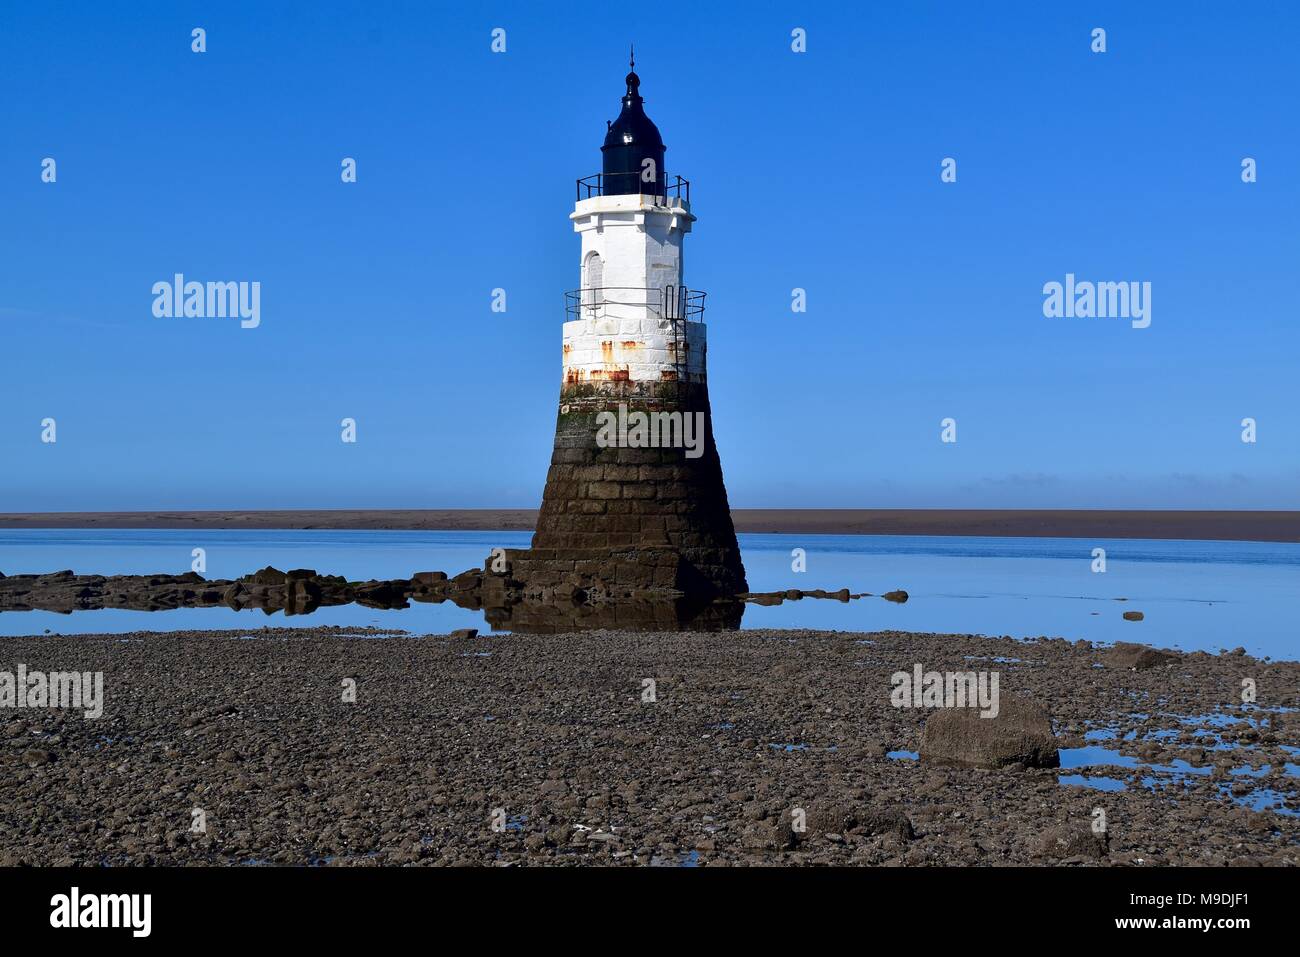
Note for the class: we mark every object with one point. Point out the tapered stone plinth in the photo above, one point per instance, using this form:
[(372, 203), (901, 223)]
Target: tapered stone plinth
[(613, 509)]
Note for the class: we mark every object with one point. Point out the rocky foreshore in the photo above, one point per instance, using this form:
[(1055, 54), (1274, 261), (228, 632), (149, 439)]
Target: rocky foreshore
[(297, 591), (508, 604), (354, 747)]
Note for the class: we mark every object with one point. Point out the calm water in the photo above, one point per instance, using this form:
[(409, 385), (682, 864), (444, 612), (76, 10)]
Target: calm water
[(1195, 595)]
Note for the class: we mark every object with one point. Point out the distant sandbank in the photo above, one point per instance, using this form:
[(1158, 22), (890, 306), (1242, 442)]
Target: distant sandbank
[(1243, 526)]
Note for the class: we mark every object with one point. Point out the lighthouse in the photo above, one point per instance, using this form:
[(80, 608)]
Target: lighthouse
[(634, 501)]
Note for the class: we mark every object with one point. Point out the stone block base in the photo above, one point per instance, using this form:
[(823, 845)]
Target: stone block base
[(594, 574), (632, 516)]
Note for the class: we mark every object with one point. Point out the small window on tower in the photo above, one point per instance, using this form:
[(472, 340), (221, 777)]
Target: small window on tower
[(627, 137)]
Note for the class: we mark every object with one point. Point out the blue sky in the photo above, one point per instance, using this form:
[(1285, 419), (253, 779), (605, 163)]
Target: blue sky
[(817, 170)]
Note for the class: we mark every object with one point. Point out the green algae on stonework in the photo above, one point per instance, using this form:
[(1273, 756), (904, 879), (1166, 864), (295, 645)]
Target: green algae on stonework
[(570, 419), (670, 390)]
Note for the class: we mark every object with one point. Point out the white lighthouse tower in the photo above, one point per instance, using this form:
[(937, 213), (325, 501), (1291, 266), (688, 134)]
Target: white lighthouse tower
[(629, 318), (619, 520)]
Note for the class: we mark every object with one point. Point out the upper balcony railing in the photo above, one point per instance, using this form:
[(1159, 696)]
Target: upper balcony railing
[(604, 184), (631, 302)]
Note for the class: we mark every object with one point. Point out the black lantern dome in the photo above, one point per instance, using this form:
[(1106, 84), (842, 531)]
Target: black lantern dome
[(631, 140)]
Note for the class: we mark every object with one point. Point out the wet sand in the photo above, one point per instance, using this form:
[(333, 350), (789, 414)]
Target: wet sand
[(1250, 526), (549, 738)]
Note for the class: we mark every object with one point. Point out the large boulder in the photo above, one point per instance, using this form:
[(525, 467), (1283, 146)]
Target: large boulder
[(270, 575), (382, 594), (844, 818), (1137, 657), (772, 834), (302, 595), (1072, 841), (1021, 734), (469, 580)]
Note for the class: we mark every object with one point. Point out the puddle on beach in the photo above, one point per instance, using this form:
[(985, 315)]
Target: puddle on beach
[(1099, 767), (1095, 783), (682, 859), (1206, 735)]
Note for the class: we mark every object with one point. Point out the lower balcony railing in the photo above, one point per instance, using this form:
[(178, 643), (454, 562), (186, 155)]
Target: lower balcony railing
[(629, 302)]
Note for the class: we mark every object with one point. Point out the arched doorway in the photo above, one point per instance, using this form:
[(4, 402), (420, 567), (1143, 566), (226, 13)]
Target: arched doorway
[(593, 284)]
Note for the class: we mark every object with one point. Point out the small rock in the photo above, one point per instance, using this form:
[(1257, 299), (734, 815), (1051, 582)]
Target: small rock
[(35, 757), (770, 835)]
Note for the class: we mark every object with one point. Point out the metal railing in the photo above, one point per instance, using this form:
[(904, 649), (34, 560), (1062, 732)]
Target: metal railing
[(627, 302), (597, 183)]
